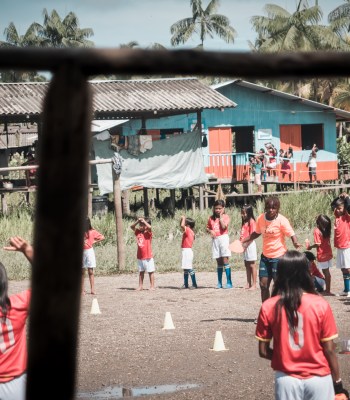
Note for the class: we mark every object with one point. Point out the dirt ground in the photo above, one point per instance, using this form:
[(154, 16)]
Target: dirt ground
[(126, 347)]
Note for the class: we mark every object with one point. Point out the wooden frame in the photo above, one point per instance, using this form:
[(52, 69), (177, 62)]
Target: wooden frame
[(53, 331)]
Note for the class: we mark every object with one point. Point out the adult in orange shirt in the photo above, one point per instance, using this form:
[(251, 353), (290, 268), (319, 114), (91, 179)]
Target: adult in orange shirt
[(274, 228), (13, 315)]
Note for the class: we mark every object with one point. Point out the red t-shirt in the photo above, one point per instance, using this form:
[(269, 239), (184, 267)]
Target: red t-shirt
[(342, 231), (144, 244), (214, 225), (91, 237), (324, 250), (13, 343), (247, 228), (314, 271), (187, 238), (300, 356)]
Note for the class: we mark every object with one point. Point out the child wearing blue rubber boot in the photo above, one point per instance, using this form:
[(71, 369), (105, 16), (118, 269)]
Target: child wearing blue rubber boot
[(217, 226), (187, 225)]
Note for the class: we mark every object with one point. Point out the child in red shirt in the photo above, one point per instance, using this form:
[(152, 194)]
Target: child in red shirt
[(145, 260), (91, 236), (250, 254), (13, 316), (342, 239), (217, 226), (187, 225), (322, 243), (303, 329), (316, 274)]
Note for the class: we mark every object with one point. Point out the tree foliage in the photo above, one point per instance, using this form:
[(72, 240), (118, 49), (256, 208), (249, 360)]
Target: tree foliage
[(204, 22), (281, 30)]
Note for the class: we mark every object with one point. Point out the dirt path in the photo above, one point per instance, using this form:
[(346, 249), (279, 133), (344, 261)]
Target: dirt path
[(125, 345)]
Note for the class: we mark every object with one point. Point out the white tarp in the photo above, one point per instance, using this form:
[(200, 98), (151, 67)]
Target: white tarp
[(172, 163)]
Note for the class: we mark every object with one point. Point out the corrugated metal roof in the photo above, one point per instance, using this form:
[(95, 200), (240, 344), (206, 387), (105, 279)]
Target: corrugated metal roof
[(341, 115), (120, 99), (103, 125)]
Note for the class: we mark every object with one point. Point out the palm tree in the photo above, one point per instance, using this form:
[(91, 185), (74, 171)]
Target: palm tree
[(14, 39), (57, 32), (339, 19), (204, 22), (299, 31)]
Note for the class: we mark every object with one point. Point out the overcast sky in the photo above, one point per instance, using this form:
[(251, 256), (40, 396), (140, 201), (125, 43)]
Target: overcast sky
[(118, 22)]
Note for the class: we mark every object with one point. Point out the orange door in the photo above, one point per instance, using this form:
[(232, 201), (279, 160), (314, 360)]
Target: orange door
[(220, 152), (290, 136)]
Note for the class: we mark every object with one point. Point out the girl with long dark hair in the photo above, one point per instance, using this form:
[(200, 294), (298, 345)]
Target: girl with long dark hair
[(302, 327)]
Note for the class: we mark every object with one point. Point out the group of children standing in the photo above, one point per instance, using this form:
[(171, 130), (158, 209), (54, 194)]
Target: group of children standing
[(273, 227), (217, 227)]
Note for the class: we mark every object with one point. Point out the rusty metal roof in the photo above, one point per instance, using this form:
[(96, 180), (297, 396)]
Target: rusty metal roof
[(149, 98)]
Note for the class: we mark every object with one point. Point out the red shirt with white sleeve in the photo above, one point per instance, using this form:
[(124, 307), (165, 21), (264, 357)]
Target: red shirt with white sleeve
[(144, 244), (91, 237), (342, 231), (300, 355), (214, 225), (324, 249), (187, 238), (13, 342), (247, 228)]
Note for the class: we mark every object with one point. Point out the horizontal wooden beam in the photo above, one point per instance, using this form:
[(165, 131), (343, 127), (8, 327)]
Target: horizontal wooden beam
[(181, 62)]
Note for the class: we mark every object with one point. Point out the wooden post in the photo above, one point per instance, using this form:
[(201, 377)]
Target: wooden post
[(119, 222), (145, 202), (90, 193), (206, 199), (60, 218), (126, 202), (3, 204), (201, 199)]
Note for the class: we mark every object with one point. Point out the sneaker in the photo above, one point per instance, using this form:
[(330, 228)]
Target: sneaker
[(193, 287), (184, 287), (343, 294)]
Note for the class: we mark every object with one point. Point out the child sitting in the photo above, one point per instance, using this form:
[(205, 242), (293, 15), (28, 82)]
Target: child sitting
[(316, 274)]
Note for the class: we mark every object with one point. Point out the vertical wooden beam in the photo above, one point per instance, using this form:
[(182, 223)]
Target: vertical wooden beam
[(201, 198), (4, 207), (145, 202), (90, 193), (58, 237), (117, 194)]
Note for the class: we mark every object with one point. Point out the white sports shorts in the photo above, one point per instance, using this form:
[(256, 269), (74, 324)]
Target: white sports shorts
[(343, 258), (146, 265), (220, 246), (324, 264), (250, 253), (14, 389), (316, 388), (89, 259), (186, 258)]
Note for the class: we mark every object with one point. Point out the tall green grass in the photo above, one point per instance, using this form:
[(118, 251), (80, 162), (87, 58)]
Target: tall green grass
[(301, 209)]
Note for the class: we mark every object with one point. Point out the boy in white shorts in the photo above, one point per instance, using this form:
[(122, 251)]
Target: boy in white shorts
[(217, 226), (145, 259)]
